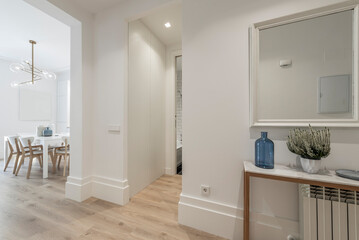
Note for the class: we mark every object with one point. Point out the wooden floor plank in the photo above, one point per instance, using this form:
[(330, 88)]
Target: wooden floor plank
[(36, 209)]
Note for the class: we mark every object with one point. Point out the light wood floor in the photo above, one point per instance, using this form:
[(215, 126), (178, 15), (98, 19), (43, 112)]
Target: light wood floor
[(36, 209)]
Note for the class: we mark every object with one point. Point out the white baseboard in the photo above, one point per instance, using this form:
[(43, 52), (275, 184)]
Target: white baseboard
[(168, 171), (227, 221), (78, 189), (107, 189), (111, 190)]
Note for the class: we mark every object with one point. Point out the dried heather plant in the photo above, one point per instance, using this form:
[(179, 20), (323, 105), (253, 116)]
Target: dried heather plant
[(311, 144)]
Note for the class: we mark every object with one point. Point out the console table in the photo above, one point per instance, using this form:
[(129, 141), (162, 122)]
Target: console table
[(288, 174)]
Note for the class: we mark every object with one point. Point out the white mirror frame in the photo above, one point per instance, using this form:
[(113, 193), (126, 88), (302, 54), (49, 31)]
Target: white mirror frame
[(254, 62)]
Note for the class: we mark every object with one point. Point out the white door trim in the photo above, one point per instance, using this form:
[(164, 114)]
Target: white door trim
[(171, 169)]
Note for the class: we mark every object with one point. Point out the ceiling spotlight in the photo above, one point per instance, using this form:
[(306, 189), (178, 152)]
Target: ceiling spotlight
[(167, 24)]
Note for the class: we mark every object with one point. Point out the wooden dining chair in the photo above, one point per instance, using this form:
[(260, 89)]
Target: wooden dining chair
[(63, 152), (51, 151), (31, 151), (14, 150)]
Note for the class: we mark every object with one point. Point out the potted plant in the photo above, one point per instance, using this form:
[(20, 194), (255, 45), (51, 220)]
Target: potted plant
[(311, 145)]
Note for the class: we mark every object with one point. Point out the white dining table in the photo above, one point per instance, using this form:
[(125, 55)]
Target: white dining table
[(45, 142)]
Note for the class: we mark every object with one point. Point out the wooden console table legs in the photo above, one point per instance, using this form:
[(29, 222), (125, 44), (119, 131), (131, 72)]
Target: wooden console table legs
[(283, 173), (246, 207)]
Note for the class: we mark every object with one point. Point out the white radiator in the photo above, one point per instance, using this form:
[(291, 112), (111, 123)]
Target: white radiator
[(328, 213)]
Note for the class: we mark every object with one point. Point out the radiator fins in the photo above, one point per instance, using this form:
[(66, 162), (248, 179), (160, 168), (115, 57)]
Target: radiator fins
[(328, 213)]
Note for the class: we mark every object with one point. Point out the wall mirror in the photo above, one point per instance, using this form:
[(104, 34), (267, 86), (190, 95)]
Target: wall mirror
[(304, 69)]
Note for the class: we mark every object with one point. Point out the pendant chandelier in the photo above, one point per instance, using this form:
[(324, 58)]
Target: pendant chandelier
[(29, 67)]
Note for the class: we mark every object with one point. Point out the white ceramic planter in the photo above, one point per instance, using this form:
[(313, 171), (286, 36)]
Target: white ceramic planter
[(310, 166)]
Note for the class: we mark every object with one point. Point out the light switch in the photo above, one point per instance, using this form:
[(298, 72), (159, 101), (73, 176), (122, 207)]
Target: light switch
[(114, 128), (285, 62)]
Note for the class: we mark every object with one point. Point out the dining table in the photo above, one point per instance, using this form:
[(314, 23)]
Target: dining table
[(54, 140)]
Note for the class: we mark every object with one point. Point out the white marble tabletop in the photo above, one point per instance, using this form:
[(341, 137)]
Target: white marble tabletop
[(297, 173)]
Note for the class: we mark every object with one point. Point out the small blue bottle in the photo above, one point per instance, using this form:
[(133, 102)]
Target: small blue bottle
[(47, 132), (264, 148)]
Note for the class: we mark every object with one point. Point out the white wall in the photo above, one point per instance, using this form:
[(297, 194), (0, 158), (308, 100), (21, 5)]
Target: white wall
[(216, 134), (109, 99), (98, 98), (63, 102), (9, 104), (146, 125), (99, 158), (78, 185)]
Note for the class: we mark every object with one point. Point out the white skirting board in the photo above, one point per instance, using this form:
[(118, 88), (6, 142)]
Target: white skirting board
[(227, 221), (78, 189), (169, 171), (112, 190), (108, 189)]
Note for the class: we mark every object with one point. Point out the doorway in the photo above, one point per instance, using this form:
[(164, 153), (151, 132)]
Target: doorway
[(178, 117), (153, 39), (74, 98)]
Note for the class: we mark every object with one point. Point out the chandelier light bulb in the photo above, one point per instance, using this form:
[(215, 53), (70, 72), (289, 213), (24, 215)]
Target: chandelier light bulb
[(14, 84), (49, 75), (16, 67)]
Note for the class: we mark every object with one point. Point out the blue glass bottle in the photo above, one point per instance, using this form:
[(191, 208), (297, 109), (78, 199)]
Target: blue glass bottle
[(264, 148), (47, 132)]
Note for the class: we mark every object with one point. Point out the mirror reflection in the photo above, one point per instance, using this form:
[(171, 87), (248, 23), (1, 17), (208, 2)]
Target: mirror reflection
[(305, 69)]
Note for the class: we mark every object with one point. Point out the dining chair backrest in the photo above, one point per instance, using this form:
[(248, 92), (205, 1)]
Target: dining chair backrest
[(25, 141), (29, 143), (13, 141), (66, 142), (66, 139)]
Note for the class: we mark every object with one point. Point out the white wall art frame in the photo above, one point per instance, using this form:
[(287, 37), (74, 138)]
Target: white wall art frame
[(254, 64)]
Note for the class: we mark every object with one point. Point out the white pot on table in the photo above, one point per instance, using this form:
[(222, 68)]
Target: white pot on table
[(311, 165)]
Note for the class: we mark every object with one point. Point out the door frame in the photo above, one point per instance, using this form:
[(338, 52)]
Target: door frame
[(171, 164)]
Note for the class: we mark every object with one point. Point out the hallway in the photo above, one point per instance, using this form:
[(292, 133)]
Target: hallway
[(36, 209)]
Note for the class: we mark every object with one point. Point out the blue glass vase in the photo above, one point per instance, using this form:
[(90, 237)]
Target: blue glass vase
[(264, 148), (47, 132)]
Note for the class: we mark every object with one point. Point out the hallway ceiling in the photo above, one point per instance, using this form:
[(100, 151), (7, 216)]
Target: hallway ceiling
[(155, 22), (95, 6)]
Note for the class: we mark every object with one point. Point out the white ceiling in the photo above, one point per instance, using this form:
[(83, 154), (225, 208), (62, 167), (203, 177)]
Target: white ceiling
[(95, 6), (155, 22), (20, 22)]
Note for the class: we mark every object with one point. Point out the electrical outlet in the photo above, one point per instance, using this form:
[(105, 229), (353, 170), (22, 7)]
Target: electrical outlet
[(291, 237), (205, 190)]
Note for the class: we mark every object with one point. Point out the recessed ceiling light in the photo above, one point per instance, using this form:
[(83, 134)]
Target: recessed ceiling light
[(167, 24)]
